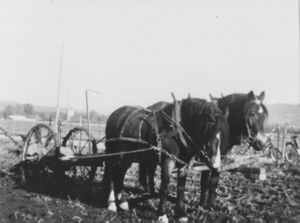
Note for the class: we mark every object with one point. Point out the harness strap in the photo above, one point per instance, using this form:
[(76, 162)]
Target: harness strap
[(127, 120), (141, 125), (167, 135), (122, 138)]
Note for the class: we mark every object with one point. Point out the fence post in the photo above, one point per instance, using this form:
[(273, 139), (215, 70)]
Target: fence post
[(100, 131), (278, 136), (283, 142), (80, 121)]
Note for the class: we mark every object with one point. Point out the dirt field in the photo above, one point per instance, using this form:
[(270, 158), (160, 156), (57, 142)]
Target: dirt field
[(276, 199)]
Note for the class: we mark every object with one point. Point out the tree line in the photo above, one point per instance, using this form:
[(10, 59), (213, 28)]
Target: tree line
[(29, 111), (19, 109)]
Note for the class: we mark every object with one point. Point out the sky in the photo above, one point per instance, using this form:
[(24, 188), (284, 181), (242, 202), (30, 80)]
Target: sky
[(138, 52)]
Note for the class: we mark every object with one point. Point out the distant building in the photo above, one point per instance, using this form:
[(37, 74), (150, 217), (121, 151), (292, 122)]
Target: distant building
[(20, 118)]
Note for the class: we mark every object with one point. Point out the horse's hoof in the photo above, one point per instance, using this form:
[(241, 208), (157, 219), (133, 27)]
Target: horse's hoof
[(112, 207), (124, 206), (163, 219), (183, 219)]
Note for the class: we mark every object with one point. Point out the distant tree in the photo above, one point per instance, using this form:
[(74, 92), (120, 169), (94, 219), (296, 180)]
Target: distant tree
[(102, 118), (8, 110), (93, 116), (19, 109), (62, 116), (51, 115), (28, 109), (43, 116)]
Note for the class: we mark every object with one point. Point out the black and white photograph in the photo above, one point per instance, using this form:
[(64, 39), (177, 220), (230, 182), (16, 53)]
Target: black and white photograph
[(150, 111)]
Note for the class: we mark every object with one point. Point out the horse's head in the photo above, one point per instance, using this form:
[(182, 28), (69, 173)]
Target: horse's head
[(255, 113), (218, 138)]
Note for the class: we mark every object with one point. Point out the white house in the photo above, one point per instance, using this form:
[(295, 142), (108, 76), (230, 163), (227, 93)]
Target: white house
[(20, 118)]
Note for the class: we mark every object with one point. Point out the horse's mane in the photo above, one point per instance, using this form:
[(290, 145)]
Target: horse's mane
[(158, 106), (200, 107), (236, 103), (200, 114)]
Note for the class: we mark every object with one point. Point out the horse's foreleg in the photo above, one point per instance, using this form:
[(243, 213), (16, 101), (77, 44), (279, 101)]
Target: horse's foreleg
[(166, 173), (213, 183), (205, 175), (180, 209)]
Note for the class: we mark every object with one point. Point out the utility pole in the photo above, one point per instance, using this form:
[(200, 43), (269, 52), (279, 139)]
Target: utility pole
[(299, 48), (58, 91)]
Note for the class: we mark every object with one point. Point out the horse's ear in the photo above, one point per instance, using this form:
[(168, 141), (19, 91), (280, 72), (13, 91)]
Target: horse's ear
[(173, 96), (251, 96), (222, 95), (227, 112), (176, 110), (189, 95), (213, 99), (262, 95)]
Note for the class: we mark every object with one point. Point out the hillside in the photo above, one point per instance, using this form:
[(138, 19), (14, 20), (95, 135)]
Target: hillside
[(284, 113)]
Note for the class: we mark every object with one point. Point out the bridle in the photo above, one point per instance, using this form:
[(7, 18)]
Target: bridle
[(249, 138)]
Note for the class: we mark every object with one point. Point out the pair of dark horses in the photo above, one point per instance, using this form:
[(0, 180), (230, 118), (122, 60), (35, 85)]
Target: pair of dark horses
[(190, 128)]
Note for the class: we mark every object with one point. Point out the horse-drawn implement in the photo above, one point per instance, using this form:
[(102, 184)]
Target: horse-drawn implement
[(143, 134)]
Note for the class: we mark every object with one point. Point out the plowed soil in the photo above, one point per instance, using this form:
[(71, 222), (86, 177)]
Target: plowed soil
[(276, 199)]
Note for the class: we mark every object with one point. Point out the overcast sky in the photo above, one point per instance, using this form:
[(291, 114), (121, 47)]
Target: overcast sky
[(137, 52)]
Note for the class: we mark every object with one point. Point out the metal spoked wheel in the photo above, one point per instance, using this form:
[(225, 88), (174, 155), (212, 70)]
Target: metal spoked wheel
[(291, 153), (78, 142), (40, 142)]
